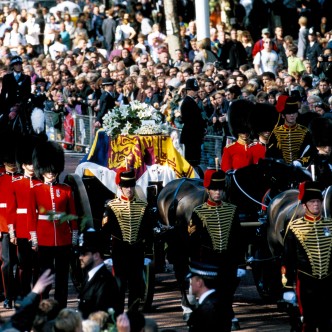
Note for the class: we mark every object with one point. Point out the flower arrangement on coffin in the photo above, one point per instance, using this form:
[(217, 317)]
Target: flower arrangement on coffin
[(136, 118)]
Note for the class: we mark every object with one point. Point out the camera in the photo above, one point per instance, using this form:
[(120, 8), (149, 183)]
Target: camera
[(319, 104), (325, 57)]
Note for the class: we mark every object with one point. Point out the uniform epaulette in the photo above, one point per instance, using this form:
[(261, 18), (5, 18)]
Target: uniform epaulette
[(253, 144), (227, 146), (17, 178)]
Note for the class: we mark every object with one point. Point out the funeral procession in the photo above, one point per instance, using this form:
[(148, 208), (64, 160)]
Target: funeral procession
[(166, 165)]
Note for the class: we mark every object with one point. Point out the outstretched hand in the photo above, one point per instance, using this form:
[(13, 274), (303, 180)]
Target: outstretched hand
[(43, 281)]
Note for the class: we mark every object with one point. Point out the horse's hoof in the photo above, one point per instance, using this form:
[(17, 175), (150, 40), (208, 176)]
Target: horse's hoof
[(235, 325), (186, 316)]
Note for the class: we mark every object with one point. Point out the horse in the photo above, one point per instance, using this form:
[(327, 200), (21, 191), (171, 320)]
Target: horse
[(245, 188)]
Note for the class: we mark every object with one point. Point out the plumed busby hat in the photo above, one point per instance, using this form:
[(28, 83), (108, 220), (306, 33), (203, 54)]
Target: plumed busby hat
[(48, 157), (291, 105), (263, 117), (281, 101), (321, 130), (309, 190), (125, 178), (238, 116), (202, 270), (192, 84), (92, 241), (16, 60), (214, 179)]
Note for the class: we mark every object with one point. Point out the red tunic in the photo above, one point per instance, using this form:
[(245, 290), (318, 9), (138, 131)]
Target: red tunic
[(234, 156), (57, 198), (18, 198), (257, 151), (5, 184)]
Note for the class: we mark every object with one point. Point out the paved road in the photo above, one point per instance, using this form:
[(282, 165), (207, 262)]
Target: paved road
[(252, 313)]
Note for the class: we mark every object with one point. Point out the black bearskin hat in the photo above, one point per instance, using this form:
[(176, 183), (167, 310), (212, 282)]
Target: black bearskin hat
[(321, 131), (238, 116), (25, 150), (48, 157), (263, 117), (8, 145)]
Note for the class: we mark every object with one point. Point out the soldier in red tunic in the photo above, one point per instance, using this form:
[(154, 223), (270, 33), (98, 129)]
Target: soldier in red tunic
[(17, 208), (7, 249), (236, 155), (51, 207)]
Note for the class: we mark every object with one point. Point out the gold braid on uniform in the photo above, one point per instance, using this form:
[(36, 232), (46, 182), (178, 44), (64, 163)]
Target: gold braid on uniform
[(129, 215), (218, 221), (317, 245), (290, 140)]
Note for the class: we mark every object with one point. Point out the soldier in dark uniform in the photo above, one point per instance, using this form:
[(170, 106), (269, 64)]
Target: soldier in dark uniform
[(127, 220), (17, 215), (210, 312), (193, 124), (236, 155), (107, 100), (321, 164), (215, 237), (15, 93), (308, 260), (291, 141), (100, 291), (7, 249), (51, 218), (262, 119)]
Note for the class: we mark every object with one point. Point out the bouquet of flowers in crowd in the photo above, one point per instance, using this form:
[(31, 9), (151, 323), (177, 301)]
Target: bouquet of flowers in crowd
[(136, 118)]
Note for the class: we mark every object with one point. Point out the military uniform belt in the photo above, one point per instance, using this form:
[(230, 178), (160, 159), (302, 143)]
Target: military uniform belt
[(49, 217), (3, 205), (21, 211)]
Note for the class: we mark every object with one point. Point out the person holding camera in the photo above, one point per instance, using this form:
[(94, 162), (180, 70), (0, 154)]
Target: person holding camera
[(324, 64)]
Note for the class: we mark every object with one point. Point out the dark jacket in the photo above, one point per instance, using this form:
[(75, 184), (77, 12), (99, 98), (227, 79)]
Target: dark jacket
[(106, 103), (100, 293), (210, 315)]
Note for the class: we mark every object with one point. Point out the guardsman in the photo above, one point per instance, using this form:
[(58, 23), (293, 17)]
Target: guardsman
[(263, 118), (7, 249), (127, 220), (308, 260), (100, 291), (291, 141), (215, 237), (236, 155), (51, 218), (17, 208)]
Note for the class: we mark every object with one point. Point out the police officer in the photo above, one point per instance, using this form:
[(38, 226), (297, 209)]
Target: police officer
[(127, 220), (210, 312), (291, 141), (100, 291), (215, 237), (51, 218), (15, 92), (308, 259)]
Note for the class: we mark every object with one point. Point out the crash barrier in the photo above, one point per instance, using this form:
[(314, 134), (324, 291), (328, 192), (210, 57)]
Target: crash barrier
[(76, 132)]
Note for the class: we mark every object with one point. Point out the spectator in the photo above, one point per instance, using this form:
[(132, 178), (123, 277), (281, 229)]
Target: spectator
[(295, 64), (303, 38)]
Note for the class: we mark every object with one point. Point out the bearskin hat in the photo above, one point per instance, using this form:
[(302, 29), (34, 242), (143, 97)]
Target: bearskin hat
[(309, 190), (25, 150), (8, 145), (263, 117), (214, 179), (238, 116), (321, 131), (48, 157), (125, 178)]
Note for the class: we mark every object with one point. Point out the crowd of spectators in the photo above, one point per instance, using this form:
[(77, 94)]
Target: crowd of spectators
[(68, 58)]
